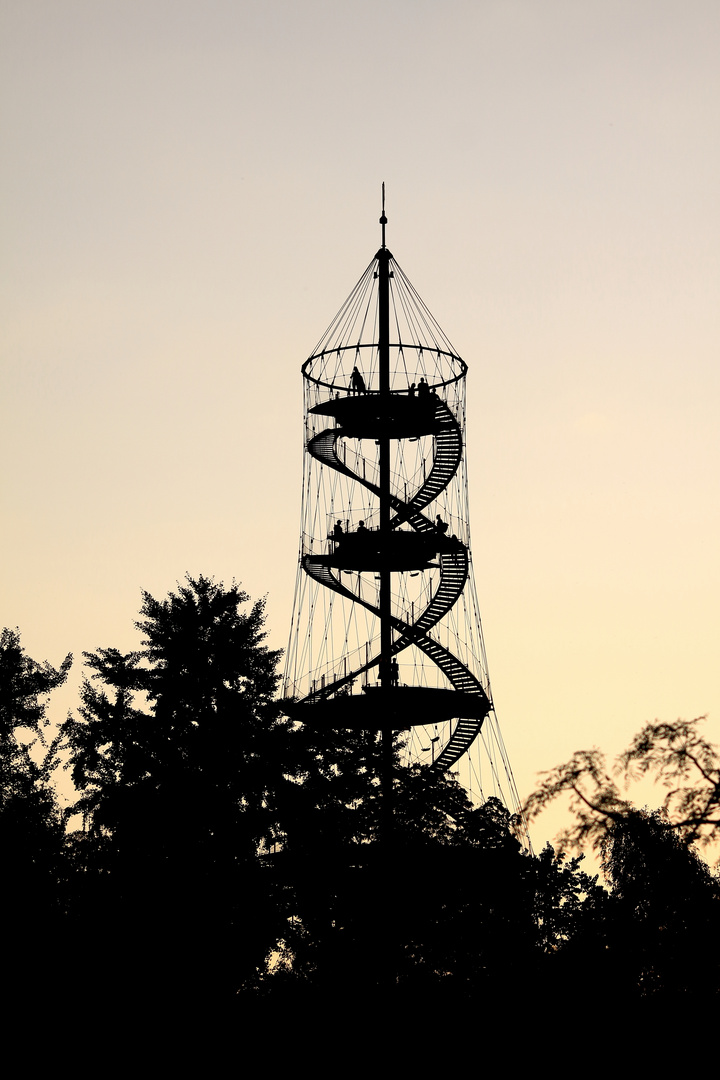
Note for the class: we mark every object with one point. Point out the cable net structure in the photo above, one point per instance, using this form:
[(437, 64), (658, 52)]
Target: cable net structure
[(386, 631)]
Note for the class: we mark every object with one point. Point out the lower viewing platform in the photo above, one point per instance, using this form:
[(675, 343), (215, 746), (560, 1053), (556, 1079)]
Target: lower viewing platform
[(396, 707)]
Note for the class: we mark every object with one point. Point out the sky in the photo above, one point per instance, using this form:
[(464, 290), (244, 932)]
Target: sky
[(189, 192)]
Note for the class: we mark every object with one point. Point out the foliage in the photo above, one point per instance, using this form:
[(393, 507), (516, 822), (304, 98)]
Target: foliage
[(566, 898), (335, 861), (688, 766), (676, 755), (28, 755), (656, 935), (171, 756), (663, 930), (23, 683), (187, 716), (449, 905), (226, 845), (31, 822)]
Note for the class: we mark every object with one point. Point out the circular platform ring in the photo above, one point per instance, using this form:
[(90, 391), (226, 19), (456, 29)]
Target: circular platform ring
[(451, 358)]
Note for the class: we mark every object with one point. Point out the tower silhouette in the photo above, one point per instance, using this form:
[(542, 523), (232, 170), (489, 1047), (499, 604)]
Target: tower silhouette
[(386, 632)]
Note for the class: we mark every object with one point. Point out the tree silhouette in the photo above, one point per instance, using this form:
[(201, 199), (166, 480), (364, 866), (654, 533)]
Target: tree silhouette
[(675, 755), (656, 938), (449, 907), (171, 756), (31, 822), (351, 918), (663, 934), (226, 846)]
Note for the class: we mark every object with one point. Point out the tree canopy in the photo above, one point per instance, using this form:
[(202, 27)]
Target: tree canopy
[(183, 721), (28, 749), (230, 853), (675, 755), (31, 820), (659, 935), (171, 754)]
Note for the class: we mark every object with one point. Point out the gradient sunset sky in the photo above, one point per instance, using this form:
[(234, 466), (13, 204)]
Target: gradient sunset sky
[(189, 192)]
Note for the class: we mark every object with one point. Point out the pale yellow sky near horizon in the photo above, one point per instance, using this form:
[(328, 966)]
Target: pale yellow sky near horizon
[(189, 192)]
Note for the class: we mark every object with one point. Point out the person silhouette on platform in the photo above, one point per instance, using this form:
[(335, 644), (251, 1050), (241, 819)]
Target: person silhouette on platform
[(411, 390), (423, 388), (394, 672), (440, 525), (337, 531), (357, 383), (361, 527)]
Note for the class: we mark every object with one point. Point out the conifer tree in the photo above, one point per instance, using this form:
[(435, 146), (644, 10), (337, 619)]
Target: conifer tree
[(171, 753)]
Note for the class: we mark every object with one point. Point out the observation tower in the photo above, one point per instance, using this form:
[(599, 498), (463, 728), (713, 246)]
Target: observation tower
[(386, 632)]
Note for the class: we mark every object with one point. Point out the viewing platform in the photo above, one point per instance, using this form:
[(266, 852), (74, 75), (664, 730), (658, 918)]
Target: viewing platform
[(396, 415), (400, 551), (398, 707)]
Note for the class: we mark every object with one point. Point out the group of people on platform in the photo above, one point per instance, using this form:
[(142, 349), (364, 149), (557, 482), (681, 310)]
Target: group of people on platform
[(422, 389), (441, 527), (337, 533), (357, 386)]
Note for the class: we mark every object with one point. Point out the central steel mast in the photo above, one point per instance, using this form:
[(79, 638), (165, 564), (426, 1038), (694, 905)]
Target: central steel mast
[(385, 666), (383, 258)]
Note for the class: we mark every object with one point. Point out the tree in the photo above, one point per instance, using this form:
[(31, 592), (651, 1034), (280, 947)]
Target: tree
[(449, 907), (657, 938), (23, 684), (568, 901), (676, 755), (343, 874), (218, 832), (207, 683), (28, 755), (31, 821), (172, 756)]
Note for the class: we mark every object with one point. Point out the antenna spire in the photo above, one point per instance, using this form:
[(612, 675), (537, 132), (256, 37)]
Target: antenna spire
[(383, 219)]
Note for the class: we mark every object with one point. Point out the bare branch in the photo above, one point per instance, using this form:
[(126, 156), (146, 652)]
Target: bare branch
[(676, 755)]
